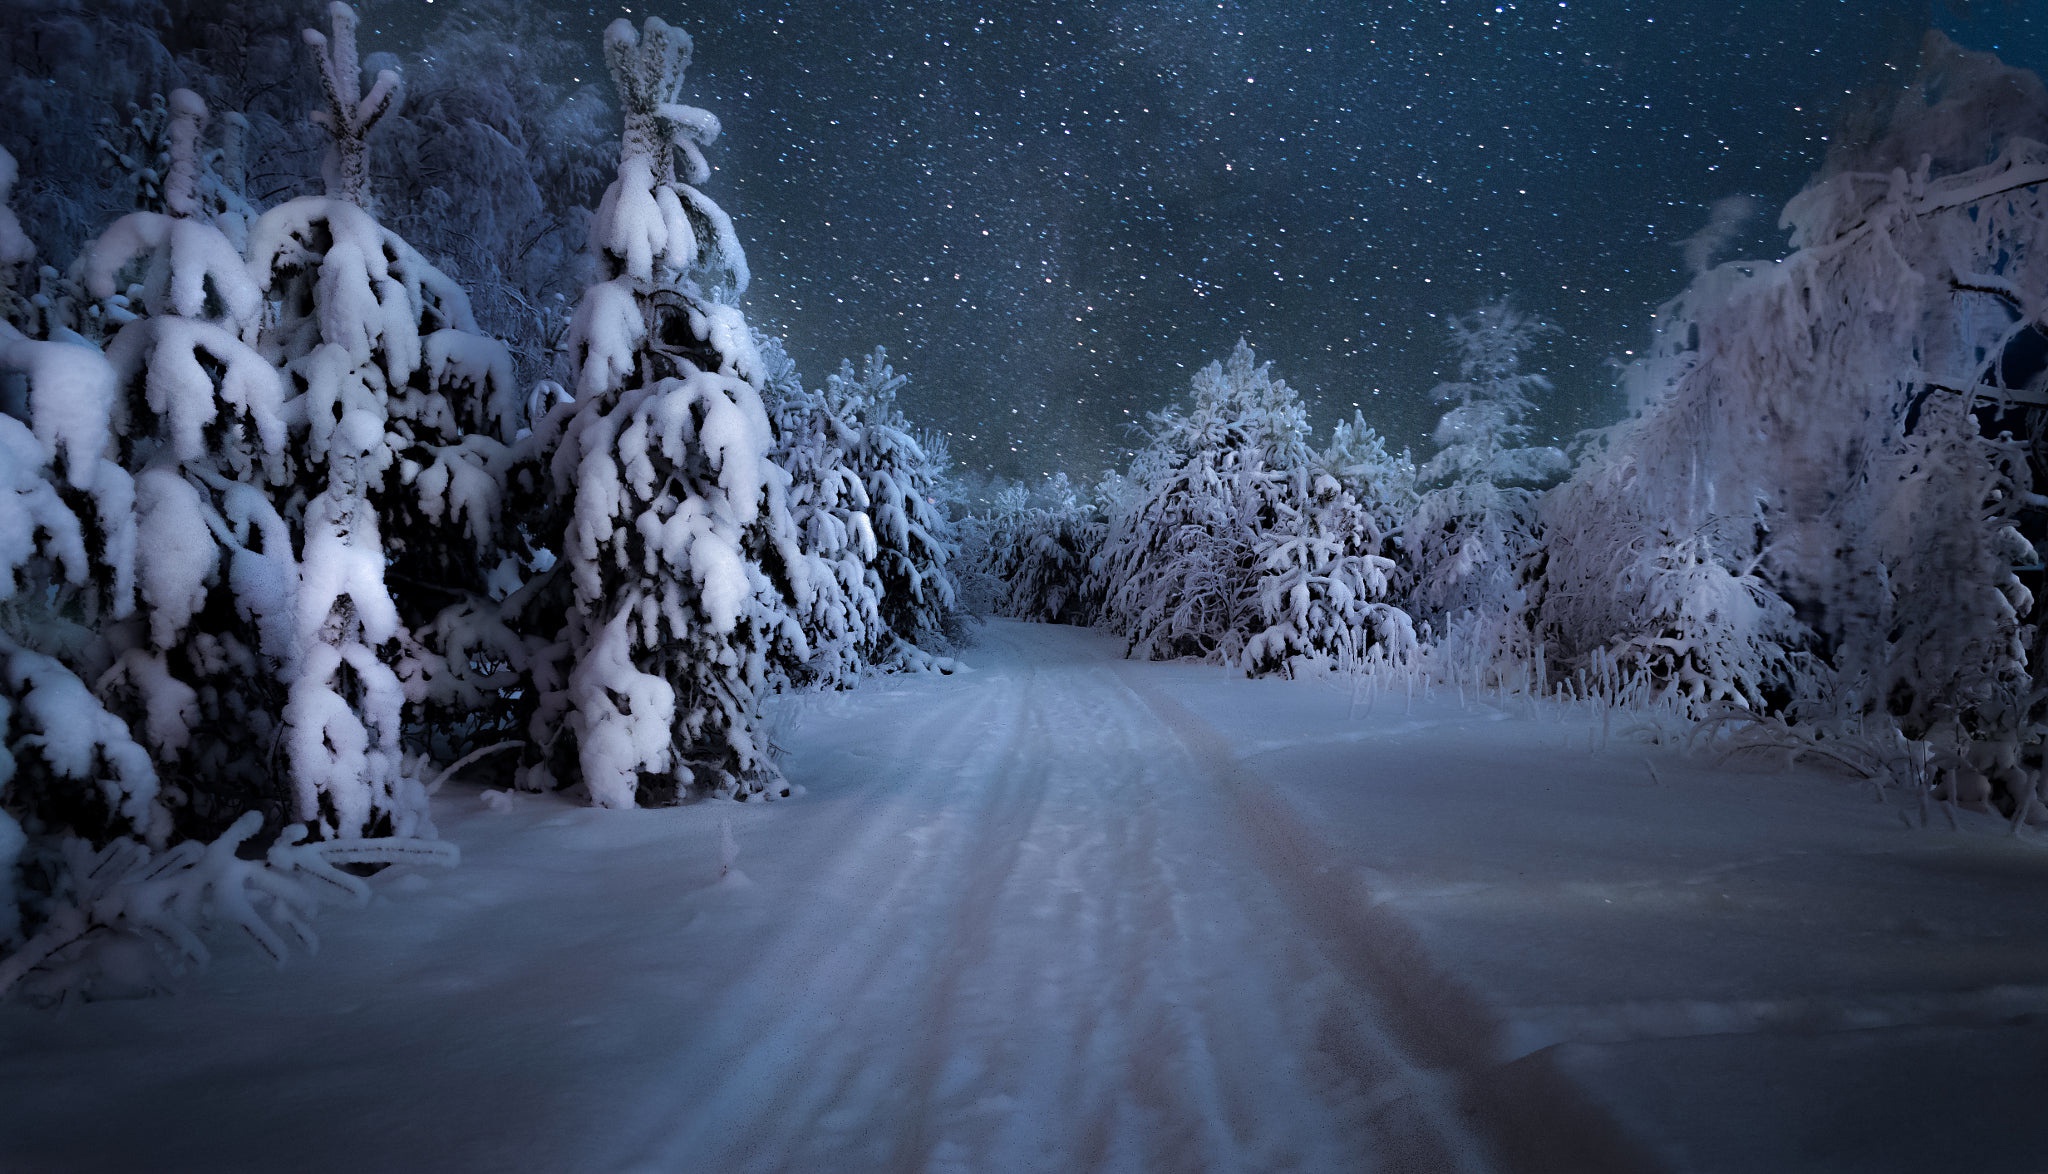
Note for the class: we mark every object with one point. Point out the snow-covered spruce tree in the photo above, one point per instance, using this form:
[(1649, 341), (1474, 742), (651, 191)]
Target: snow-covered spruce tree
[(1832, 420), (144, 612), (1233, 536), (676, 585), (1384, 482), (197, 419), (1321, 582), (68, 766), (815, 431), (905, 482), (1175, 564), (1034, 549), (397, 409), (1475, 526)]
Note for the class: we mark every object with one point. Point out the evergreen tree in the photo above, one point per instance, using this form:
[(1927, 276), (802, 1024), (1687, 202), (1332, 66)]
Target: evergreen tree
[(905, 480), (1233, 550), (674, 589), (198, 420), (1384, 482), (1475, 527), (815, 435), (1321, 582), (147, 632), (398, 409)]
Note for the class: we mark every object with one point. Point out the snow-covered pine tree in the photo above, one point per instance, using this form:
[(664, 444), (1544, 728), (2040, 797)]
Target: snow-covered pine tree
[(1475, 526), (68, 766), (905, 482), (1833, 420), (398, 410), (1034, 549), (1384, 482), (1231, 535), (1321, 583), (168, 591), (197, 420), (676, 581), (815, 431), (1176, 563)]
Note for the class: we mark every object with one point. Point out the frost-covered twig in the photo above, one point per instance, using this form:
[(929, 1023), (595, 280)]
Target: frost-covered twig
[(448, 772), (172, 899)]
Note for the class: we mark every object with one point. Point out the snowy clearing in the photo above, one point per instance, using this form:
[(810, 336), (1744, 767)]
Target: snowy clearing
[(1067, 912)]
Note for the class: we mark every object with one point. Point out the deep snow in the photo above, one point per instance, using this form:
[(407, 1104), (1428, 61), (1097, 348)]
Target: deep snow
[(1067, 912)]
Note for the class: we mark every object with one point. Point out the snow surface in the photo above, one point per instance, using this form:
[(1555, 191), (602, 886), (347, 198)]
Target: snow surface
[(1067, 912)]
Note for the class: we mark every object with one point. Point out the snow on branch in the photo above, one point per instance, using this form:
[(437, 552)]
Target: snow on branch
[(172, 900)]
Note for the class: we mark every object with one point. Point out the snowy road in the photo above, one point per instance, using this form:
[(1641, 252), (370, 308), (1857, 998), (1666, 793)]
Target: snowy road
[(1067, 931), (1050, 948), (1034, 917)]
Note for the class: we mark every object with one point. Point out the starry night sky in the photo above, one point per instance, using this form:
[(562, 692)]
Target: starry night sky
[(1051, 213)]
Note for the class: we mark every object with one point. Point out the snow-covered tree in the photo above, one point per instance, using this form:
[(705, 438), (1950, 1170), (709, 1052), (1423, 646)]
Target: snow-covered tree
[(399, 410), (905, 482), (1033, 550), (146, 626), (1230, 535), (198, 421), (815, 433), (674, 589), (1384, 482), (1475, 527), (1829, 426), (68, 535), (1321, 582)]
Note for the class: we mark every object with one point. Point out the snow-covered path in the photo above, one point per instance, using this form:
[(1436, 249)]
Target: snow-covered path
[(1045, 945), (1067, 912), (1024, 919)]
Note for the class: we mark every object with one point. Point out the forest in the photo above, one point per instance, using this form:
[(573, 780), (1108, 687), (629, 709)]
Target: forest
[(434, 438)]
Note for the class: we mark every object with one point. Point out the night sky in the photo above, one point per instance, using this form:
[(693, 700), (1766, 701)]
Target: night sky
[(1052, 213)]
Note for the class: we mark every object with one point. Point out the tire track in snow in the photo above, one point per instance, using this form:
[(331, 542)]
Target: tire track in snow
[(1059, 943), (809, 1071), (1443, 1040)]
